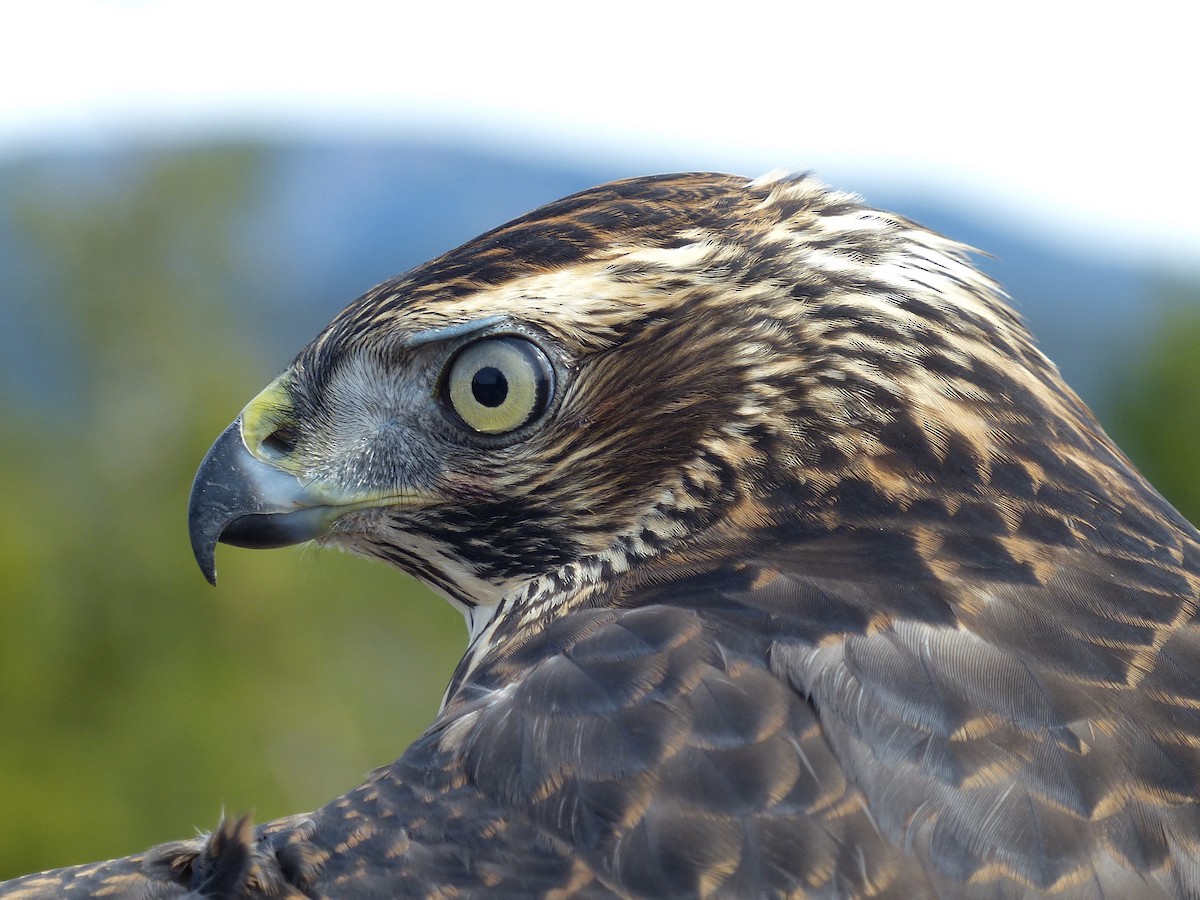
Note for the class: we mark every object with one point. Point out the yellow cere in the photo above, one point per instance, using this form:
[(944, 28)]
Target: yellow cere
[(262, 416)]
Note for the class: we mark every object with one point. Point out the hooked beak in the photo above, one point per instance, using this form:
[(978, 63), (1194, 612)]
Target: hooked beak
[(239, 499)]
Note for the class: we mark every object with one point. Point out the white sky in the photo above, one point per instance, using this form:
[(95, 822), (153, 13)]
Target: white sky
[(1077, 120)]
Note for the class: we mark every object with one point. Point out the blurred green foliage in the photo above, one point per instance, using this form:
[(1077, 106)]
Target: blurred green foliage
[(1156, 403), (136, 702)]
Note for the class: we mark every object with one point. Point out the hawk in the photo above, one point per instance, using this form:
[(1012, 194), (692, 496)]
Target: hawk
[(792, 568)]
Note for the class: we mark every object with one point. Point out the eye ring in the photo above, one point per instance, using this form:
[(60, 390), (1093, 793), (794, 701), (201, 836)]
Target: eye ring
[(498, 384)]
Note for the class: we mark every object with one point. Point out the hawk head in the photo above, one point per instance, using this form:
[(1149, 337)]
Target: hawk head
[(642, 380)]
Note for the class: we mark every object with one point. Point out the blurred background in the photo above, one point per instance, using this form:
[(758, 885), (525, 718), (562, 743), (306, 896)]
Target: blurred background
[(189, 191)]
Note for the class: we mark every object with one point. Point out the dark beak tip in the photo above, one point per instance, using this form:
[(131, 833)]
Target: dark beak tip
[(204, 547), (208, 506), (208, 565)]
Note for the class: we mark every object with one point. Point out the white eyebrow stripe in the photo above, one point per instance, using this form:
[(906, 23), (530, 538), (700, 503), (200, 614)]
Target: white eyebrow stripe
[(447, 332)]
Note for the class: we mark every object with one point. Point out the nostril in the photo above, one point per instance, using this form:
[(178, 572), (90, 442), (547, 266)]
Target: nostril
[(282, 440)]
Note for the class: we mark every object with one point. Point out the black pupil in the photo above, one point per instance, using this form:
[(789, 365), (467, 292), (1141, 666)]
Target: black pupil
[(489, 386)]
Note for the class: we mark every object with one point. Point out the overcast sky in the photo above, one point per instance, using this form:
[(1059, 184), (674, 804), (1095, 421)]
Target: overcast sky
[(1076, 120)]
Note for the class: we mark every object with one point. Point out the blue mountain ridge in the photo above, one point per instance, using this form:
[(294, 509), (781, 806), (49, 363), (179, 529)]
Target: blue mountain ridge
[(333, 218)]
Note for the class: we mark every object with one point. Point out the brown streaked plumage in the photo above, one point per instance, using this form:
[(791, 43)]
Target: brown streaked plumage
[(792, 568)]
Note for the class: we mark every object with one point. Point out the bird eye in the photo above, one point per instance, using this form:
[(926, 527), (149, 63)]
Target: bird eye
[(499, 384)]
